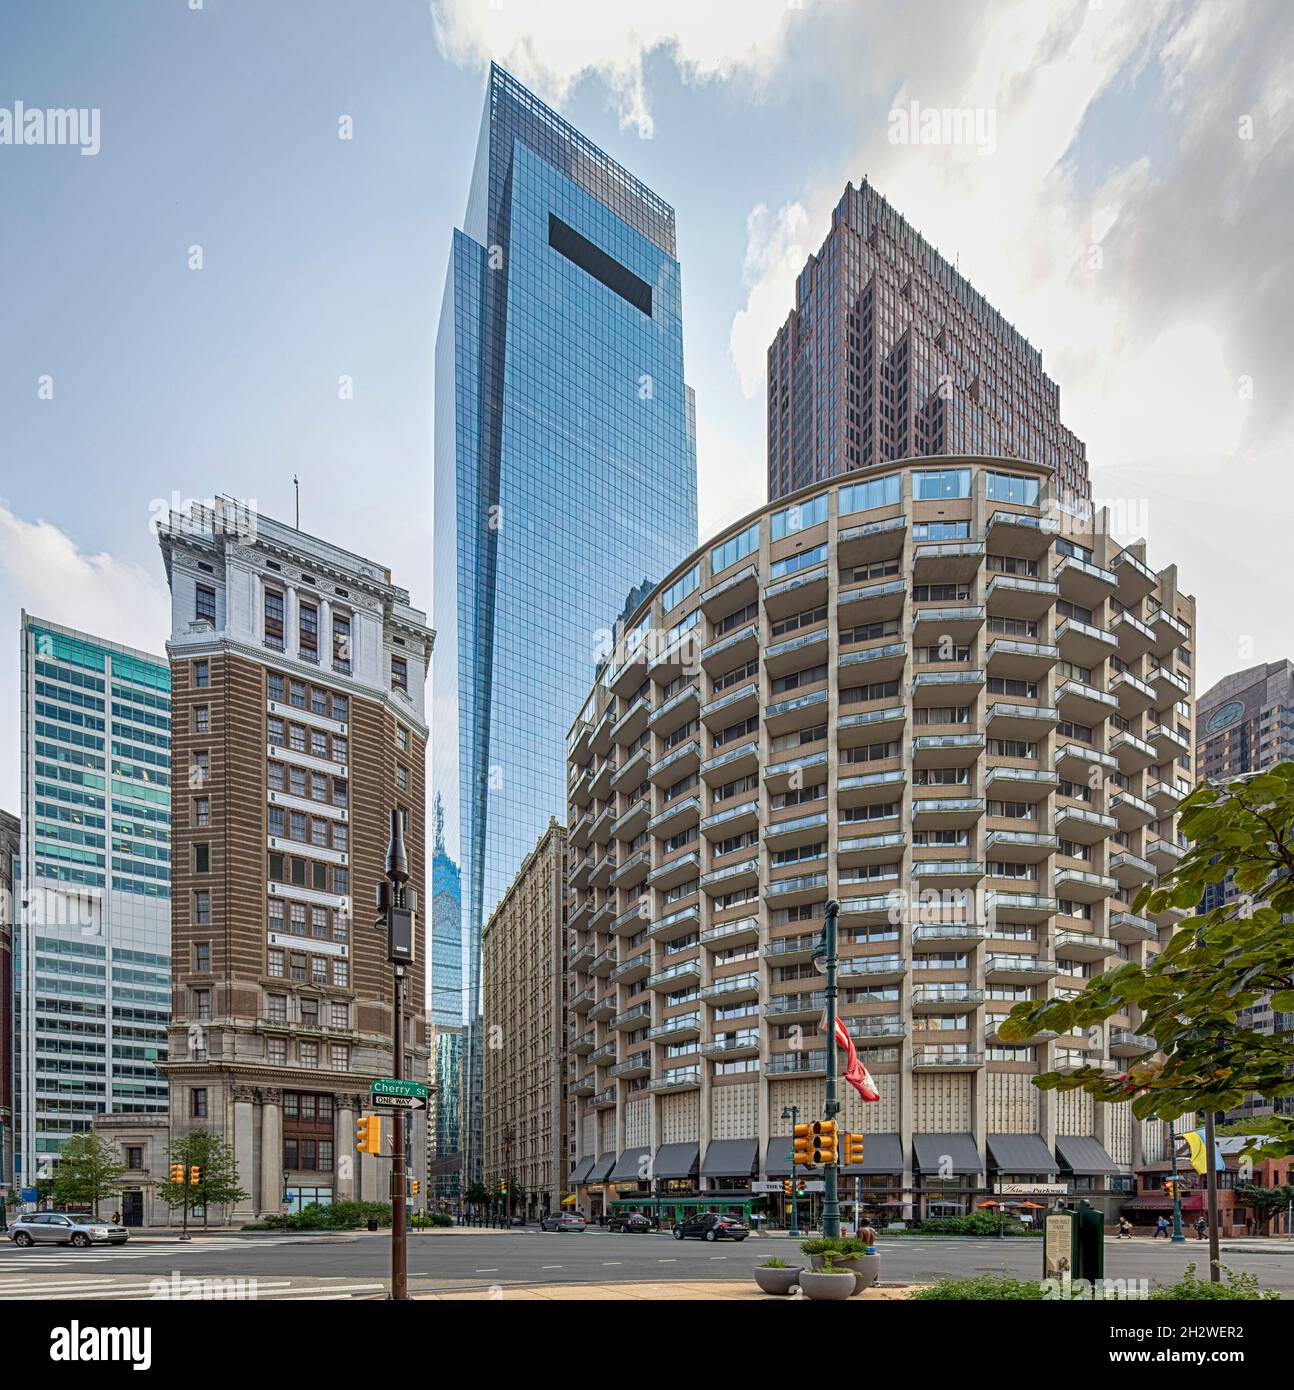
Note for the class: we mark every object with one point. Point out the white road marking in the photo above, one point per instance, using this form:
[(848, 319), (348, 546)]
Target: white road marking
[(550, 1266), (493, 1270), (605, 1263)]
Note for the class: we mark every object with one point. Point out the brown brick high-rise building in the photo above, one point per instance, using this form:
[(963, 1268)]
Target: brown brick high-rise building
[(891, 354), (297, 723)]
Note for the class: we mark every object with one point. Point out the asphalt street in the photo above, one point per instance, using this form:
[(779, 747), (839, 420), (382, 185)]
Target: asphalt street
[(287, 1268)]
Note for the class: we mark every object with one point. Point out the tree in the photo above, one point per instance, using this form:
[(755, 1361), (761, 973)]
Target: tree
[(1217, 964), (1265, 1202), (88, 1168), (218, 1182), (477, 1195)]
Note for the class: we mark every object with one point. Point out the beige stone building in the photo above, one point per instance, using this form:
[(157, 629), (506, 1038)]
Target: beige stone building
[(941, 696), (524, 970)]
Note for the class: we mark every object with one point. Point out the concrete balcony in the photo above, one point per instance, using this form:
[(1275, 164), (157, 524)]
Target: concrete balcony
[(732, 594), (732, 820), (1169, 687), (1132, 753), (638, 1064), (870, 788), (630, 1019), (1020, 908), (779, 776), (677, 1029), (1085, 704), (876, 969), (732, 762), (1081, 887), (871, 664), (605, 1055), (682, 973), (873, 540), (959, 623), (1129, 928), (876, 907), (733, 705), (676, 817), (796, 1007), (792, 950), (600, 782), (1019, 534), (797, 1063), (946, 688), (1014, 719), (1015, 969), (732, 989), (1131, 812), (946, 562), (797, 713), (955, 873), (675, 924), (1169, 632), (632, 724), (1125, 1043), (946, 1059), (871, 603), (1081, 826), (1085, 946), (795, 652), (1131, 870), (1016, 596), (730, 877), (946, 750), (680, 1079), (633, 768), (806, 589), (604, 1007), (585, 1042), (675, 871), (603, 963), (676, 764), (742, 932), (1134, 696), (1083, 582), (946, 812), (796, 832), (633, 919), (871, 849), (1020, 846), (1164, 855), (678, 710), (802, 888), (942, 999), (938, 936), (603, 869), (630, 971), (1136, 579), (1168, 743), (741, 1045), (631, 872), (1019, 783), (869, 726), (730, 651), (1017, 658), (1085, 644)]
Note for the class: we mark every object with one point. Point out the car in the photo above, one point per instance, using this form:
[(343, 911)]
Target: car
[(630, 1222), (712, 1225), (65, 1228), (564, 1221)]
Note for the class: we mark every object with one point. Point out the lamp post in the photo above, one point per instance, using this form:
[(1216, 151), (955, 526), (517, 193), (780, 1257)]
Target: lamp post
[(509, 1134), (397, 905), (792, 1113), (1177, 1196), (826, 960)]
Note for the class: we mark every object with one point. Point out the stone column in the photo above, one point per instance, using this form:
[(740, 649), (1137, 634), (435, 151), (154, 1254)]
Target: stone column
[(245, 1149), (347, 1159), (271, 1151)]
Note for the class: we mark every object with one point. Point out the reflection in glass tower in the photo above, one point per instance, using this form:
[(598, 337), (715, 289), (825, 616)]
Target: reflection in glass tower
[(565, 474)]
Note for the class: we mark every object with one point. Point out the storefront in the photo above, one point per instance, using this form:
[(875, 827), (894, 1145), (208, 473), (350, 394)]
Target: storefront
[(946, 1172)]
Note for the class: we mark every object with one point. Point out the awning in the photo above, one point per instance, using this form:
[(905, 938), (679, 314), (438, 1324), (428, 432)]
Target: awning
[(676, 1161), (633, 1164), (730, 1158), (1084, 1157), (947, 1155), (1020, 1153), (1147, 1204), (777, 1157), (602, 1166), (580, 1173), (882, 1153)]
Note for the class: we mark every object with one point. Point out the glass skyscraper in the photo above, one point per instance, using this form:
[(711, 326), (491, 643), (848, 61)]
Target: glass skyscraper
[(565, 463), (92, 968)]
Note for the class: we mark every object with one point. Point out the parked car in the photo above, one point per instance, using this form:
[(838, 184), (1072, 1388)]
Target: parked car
[(564, 1221), (712, 1225), (63, 1228), (630, 1222)]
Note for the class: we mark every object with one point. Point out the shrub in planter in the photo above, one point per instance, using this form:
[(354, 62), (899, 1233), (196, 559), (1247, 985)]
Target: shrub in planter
[(1191, 1289), (982, 1287), (830, 1283), (776, 1276)]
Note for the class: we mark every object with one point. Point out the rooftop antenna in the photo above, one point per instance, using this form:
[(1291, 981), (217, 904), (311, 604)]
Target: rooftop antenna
[(296, 487)]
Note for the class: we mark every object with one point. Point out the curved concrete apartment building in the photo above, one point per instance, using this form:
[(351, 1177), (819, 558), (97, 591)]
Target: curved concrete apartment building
[(960, 709)]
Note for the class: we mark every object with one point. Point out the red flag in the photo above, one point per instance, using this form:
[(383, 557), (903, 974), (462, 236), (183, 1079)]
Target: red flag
[(856, 1072)]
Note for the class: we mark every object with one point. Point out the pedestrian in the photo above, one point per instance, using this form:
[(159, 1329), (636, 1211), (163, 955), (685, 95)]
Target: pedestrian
[(116, 1218), (1200, 1227), (868, 1236), (1161, 1228), (1125, 1228)]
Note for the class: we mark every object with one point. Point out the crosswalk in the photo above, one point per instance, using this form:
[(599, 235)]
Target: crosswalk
[(35, 1286)]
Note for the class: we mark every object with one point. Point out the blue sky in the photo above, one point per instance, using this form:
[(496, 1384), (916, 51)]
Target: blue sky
[(323, 258)]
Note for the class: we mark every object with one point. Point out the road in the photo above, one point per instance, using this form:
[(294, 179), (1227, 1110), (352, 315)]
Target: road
[(299, 1268)]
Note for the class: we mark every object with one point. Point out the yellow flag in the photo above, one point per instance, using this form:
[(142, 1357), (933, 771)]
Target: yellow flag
[(1194, 1142)]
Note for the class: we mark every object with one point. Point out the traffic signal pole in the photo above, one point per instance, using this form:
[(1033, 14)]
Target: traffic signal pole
[(831, 1171), (399, 907), (399, 1235)]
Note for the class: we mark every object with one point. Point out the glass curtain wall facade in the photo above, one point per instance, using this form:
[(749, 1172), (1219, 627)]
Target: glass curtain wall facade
[(92, 971), (565, 474)]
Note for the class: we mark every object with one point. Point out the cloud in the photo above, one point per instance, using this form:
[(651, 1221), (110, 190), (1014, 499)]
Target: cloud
[(776, 247), (550, 44), (43, 570)]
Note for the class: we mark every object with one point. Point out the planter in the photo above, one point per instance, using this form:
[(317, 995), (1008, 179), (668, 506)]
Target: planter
[(867, 1270), (777, 1281), (827, 1288)]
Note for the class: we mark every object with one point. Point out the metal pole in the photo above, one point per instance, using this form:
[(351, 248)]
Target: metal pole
[(831, 1171), (795, 1196), (1177, 1195), (399, 1235), (1211, 1190)]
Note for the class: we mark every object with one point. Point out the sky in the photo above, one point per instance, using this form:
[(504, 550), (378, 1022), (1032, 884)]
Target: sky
[(242, 282)]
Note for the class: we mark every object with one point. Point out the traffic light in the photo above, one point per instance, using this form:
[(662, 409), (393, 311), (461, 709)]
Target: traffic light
[(368, 1134), (413, 1187), (786, 1187), (195, 1176), (177, 1174), (1170, 1188), (853, 1148), (503, 1187), (815, 1143)]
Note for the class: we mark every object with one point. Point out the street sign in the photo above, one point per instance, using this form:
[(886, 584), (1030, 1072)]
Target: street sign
[(815, 1185), (388, 1086), (385, 1102), (1031, 1189), (766, 1187)]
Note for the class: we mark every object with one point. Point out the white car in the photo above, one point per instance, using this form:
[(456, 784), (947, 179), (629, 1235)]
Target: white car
[(61, 1228)]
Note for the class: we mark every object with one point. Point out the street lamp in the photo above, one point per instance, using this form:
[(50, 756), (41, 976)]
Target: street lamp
[(509, 1134), (826, 960), (1177, 1192), (792, 1113)]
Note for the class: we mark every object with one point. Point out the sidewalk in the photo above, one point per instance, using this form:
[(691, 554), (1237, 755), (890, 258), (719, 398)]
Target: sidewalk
[(699, 1291)]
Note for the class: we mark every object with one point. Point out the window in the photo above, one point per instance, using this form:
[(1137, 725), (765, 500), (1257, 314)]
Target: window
[(319, 833), (204, 604), (861, 497), (276, 822), (1007, 487), (297, 694), (341, 973), (201, 812), (308, 1053), (339, 1015), (297, 968), (318, 743), (339, 1056), (274, 964), (681, 588), (202, 1003), (341, 641), (401, 777), (276, 1051), (274, 734), (737, 548), (297, 825), (940, 483), (401, 740), (803, 559), (201, 719), (341, 748), (318, 970), (297, 781), (134, 1156), (198, 1102), (276, 1008), (319, 922), (318, 701), (201, 675), (202, 859), (799, 517), (202, 908), (274, 619), (308, 632), (399, 674), (297, 738), (341, 708), (273, 686)]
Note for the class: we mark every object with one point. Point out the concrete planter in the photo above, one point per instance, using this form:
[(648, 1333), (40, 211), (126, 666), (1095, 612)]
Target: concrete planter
[(777, 1281), (827, 1288), (867, 1270)]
